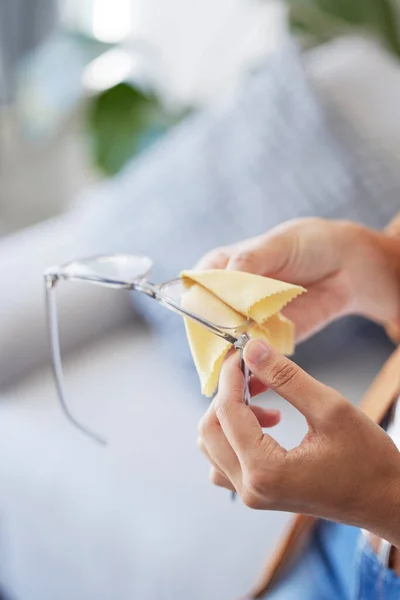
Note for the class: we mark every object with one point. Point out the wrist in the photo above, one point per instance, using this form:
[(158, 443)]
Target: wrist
[(393, 327), (389, 249), (383, 514), (373, 265)]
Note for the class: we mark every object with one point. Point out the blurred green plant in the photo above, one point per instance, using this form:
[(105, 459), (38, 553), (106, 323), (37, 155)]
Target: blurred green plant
[(123, 121), (317, 21)]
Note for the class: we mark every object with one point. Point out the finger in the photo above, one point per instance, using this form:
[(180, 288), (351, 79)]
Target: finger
[(330, 299), (266, 417), (292, 251), (203, 449), (219, 453), (217, 446), (304, 392), (257, 387), (264, 255), (216, 259), (219, 479), (216, 475), (238, 421)]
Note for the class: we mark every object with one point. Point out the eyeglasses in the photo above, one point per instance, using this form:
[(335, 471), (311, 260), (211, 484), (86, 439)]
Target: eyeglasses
[(129, 273)]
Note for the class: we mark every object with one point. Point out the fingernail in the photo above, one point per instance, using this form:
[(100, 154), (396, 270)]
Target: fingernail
[(256, 351)]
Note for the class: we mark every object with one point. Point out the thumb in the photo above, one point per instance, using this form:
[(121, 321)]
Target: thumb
[(282, 375)]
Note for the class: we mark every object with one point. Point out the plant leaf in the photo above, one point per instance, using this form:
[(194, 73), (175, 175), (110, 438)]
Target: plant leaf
[(122, 120), (321, 20)]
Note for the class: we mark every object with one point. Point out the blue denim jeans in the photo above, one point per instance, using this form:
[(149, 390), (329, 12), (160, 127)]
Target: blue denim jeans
[(339, 564)]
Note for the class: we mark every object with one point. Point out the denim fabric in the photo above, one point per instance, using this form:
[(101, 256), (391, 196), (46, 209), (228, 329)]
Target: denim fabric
[(339, 564), (374, 582), (326, 569)]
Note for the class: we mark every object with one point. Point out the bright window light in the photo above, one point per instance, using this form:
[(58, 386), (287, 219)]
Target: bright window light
[(112, 20), (107, 70)]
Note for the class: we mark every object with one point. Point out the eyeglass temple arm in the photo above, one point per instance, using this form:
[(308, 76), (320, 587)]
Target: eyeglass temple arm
[(54, 338), (151, 290), (239, 345)]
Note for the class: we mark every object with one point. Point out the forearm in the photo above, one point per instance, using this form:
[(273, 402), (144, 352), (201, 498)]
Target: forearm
[(383, 508), (392, 248)]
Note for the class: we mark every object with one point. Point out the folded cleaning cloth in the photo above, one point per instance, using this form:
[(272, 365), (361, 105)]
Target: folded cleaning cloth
[(228, 299)]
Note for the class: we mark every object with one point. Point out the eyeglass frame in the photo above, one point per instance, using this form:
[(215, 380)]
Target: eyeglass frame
[(237, 336)]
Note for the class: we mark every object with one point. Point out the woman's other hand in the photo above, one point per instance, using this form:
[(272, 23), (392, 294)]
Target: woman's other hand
[(346, 468), (346, 268)]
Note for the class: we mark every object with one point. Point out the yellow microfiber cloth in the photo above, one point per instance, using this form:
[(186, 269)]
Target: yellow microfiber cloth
[(228, 298)]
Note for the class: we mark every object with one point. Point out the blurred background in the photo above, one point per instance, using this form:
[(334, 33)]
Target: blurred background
[(166, 128), (129, 71)]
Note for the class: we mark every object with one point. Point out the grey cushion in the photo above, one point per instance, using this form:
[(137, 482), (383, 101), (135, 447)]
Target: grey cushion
[(275, 153)]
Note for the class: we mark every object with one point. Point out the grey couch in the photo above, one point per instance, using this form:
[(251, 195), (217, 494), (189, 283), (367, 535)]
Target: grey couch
[(139, 520)]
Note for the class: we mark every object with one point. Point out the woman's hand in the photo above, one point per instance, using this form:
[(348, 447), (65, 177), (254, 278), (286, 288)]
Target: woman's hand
[(346, 268), (346, 469)]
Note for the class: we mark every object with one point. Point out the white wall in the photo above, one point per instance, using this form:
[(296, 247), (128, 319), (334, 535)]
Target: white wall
[(202, 47)]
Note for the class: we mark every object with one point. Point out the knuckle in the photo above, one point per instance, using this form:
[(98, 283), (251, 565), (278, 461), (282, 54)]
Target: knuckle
[(251, 500), (222, 411), (201, 428), (283, 373), (221, 252), (200, 444), (253, 489), (214, 259), (204, 427), (255, 482), (214, 476), (338, 409), (207, 423), (246, 259), (248, 499), (217, 256), (217, 478), (262, 489)]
